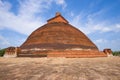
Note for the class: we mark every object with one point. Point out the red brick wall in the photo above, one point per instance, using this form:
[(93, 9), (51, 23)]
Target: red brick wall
[(76, 54)]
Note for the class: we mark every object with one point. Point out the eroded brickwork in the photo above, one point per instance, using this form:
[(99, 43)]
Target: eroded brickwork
[(58, 38), (108, 52)]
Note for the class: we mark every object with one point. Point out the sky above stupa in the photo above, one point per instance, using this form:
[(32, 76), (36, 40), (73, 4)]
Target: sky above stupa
[(98, 19)]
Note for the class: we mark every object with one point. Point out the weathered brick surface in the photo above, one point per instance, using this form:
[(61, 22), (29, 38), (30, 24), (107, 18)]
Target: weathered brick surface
[(76, 54), (65, 53), (58, 34), (59, 39), (12, 51)]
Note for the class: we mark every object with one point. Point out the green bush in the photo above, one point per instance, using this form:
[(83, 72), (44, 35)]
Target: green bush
[(116, 53), (2, 52)]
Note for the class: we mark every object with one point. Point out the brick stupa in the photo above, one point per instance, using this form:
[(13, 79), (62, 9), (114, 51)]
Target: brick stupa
[(58, 38)]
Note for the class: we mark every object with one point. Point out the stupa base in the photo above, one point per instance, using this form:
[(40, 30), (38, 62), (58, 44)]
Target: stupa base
[(65, 53)]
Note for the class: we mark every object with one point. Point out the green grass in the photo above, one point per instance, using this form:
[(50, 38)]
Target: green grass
[(2, 52), (116, 53)]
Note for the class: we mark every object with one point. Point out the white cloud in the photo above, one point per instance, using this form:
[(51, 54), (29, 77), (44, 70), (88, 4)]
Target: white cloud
[(101, 41), (29, 8), (118, 26), (4, 5), (26, 20), (89, 25), (11, 41), (104, 43), (71, 14), (3, 42), (61, 2)]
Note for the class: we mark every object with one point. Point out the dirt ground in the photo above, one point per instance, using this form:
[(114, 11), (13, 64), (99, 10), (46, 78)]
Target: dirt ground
[(106, 68)]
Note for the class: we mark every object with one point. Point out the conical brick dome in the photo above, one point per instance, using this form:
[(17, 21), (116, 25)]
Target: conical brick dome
[(58, 34)]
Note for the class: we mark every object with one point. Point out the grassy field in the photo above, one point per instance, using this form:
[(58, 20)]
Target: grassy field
[(106, 68)]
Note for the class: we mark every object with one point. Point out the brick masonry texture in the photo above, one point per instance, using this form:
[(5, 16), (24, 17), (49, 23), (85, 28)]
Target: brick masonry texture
[(58, 35)]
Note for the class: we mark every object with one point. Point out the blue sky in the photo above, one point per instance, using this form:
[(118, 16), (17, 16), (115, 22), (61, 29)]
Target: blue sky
[(98, 19)]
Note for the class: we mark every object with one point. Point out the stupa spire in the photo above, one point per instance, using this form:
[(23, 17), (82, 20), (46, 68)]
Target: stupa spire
[(58, 13), (58, 18)]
